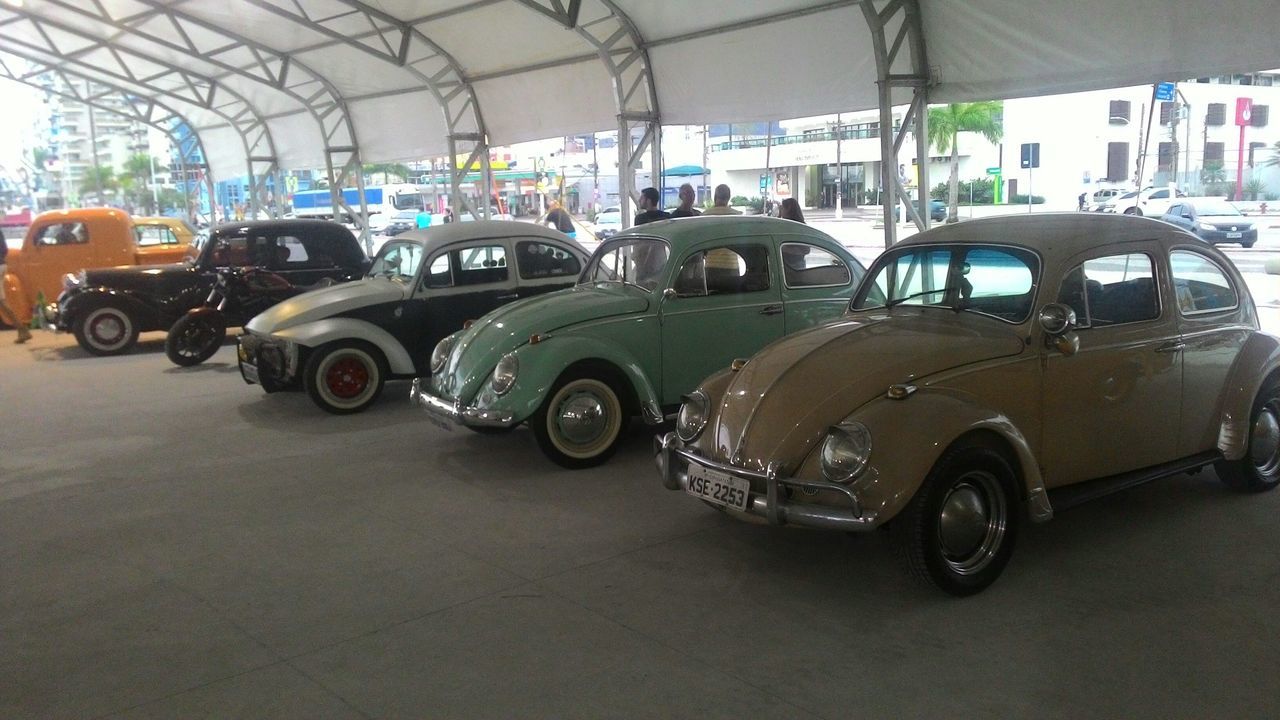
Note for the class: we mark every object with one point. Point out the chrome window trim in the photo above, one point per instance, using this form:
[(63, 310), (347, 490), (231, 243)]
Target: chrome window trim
[(782, 264), (1225, 276)]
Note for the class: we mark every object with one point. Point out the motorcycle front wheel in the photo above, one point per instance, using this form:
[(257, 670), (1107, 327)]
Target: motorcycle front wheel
[(195, 338)]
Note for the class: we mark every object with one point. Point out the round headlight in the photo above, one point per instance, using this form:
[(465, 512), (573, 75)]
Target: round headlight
[(693, 416), (440, 355), (72, 280), (1206, 226), (845, 452), (504, 376)]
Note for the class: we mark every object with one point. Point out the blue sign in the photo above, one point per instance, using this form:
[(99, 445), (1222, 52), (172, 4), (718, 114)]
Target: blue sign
[(1164, 91)]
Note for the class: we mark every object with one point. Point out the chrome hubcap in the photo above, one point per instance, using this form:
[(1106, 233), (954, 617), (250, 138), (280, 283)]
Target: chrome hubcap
[(1264, 440), (971, 522), (582, 418), (108, 329)]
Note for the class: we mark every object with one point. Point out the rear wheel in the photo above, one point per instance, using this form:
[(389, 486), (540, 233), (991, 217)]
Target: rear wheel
[(1133, 211), (106, 330), (579, 423), (958, 532), (195, 338), (1259, 469), (345, 378)]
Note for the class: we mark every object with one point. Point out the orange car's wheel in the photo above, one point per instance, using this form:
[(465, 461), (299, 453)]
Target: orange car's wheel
[(958, 532), (1259, 469)]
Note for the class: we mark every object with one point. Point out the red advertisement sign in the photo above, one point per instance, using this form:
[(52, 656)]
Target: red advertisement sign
[(1244, 111)]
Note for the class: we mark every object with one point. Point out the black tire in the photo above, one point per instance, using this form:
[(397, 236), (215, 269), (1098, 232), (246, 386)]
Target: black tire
[(106, 330), (970, 500), (598, 394), (345, 377), (1246, 245), (195, 338), (1259, 469)]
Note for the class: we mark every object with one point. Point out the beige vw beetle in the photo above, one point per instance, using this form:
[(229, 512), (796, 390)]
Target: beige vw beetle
[(988, 373)]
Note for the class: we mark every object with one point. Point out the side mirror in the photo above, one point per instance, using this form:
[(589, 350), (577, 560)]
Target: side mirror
[(670, 294), (1059, 323)]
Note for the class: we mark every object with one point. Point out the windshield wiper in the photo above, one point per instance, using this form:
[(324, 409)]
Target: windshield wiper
[(922, 293)]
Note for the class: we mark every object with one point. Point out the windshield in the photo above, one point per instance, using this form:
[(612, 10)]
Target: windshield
[(405, 215), (1215, 207), (407, 201), (991, 280), (634, 261), (397, 260)]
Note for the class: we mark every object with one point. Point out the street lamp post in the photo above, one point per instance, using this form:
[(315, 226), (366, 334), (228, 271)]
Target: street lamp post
[(839, 170)]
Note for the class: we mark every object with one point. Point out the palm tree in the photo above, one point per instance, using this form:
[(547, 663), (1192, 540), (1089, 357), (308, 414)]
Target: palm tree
[(400, 171), (97, 181), (1274, 160), (948, 121), (139, 167)]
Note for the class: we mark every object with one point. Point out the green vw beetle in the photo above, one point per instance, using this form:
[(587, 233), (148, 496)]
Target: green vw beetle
[(657, 309)]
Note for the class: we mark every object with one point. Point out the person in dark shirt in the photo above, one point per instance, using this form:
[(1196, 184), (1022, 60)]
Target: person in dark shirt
[(686, 208), (649, 210), (560, 219)]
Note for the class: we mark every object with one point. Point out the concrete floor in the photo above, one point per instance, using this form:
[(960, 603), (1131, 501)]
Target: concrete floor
[(174, 543)]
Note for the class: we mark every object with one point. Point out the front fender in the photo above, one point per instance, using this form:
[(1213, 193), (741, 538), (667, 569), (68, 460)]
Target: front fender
[(317, 333), (77, 302), (909, 436), (543, 363), (1258, 359), (15, 293)]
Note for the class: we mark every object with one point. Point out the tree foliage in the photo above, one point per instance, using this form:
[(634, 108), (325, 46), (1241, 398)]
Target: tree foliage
[(946, 122)]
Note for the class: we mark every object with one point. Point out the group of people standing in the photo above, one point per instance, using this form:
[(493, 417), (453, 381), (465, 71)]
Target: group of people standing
[(651, 205)]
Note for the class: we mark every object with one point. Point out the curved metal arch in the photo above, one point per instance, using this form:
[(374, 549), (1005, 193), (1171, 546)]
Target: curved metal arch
[(278, 70), (403, 45), (145, 111), (625, 56), (187, 86)]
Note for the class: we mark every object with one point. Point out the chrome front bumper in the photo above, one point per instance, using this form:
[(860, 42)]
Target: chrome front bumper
[(448, 413), (768, 496)]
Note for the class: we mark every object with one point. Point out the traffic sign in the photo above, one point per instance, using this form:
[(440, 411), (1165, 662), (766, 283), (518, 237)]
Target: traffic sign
[(764, 182), (1030, 155), (1244, 111), (994, 171), (1164, 91)]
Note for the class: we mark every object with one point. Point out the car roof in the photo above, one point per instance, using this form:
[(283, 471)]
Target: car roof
[(438, 236), (683, 232), (240, 227), (93, 213), (1202, 199)]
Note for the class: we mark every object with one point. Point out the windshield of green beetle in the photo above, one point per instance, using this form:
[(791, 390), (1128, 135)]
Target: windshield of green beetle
[(641, 262), (998, 281)]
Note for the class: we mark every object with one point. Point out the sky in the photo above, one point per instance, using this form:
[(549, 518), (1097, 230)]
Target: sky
[(18, 107)]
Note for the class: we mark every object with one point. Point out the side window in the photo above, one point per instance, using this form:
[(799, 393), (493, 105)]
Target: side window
[(150, 235), (291, 251), (479, 265), (1111, 290), (730, 270), (439, 274), (1159, 194), (231, 252), (805, 265), (1199, 284), (1175, 210), (540, 260), (71, 233)]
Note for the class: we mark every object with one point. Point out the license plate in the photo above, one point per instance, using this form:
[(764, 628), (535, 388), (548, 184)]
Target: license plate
[(249, 372), (1235, 235), (717, 487)]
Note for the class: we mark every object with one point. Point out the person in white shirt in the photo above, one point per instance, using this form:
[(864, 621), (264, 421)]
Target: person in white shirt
[(721, 200)]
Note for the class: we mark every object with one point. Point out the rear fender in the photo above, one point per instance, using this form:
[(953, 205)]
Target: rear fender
[(1257, 360), (315, 334)]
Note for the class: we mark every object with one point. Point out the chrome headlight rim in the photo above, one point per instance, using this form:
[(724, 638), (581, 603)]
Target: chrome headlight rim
[(689, 426), (845, 453), (504, 374), (71, 281), (440, 354)]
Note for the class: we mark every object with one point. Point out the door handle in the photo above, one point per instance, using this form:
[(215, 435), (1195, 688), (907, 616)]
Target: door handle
[(771, 310), (1172, 347), (512, 296)]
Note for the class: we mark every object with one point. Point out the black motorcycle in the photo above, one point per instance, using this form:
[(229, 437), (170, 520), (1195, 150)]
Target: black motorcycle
[(237, 295)]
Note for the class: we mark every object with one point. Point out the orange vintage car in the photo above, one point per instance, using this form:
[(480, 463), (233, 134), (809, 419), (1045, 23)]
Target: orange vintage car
[(65, 241)]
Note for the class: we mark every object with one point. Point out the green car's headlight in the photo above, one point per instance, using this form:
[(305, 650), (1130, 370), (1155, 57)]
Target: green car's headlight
[(504, 375), (440, 355), (846, 451), (693, 416)]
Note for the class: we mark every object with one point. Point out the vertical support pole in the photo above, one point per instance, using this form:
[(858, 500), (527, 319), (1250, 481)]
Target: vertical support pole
[(658, 173), (626, 178), (888, 161), (364, 212), (922, 155), (486, 181), (839, 169)]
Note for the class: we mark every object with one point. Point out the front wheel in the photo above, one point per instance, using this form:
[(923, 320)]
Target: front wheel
[(1133, 211), (195, 338), (106, 330), (579, 423), (1259, 469), (346, 377), (958, 532)]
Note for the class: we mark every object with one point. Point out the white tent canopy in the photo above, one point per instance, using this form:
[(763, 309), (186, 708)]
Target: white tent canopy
[(301, 83)]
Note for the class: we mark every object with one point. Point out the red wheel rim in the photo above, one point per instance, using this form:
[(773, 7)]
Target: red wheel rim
[(347, 378)]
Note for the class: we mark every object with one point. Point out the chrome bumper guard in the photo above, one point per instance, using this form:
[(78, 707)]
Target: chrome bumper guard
[(454, 412), (772, 504)]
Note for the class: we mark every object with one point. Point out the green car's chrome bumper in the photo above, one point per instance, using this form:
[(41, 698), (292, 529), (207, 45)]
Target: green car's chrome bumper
[(768, 498), (447, 413)]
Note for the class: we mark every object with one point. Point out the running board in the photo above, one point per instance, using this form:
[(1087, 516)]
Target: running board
[(1067, 497)]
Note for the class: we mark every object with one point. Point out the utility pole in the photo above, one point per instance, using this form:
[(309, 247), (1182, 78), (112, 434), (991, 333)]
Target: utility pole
[(706, 129), (839, 170), (595, 172), (768, 171)]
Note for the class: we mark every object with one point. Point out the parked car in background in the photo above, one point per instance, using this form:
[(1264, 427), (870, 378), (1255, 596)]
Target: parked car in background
[(608, 223), (343, 343), (60, 242), (401, 221), (937, 211), (163, 232), (1151, 202), (657, 308), (108, 308), (1213, 220), (1099, 199), (990, 373)]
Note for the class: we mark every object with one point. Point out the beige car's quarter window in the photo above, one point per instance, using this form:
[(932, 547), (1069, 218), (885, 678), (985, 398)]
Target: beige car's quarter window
[(1112, 290), (1200, 285)]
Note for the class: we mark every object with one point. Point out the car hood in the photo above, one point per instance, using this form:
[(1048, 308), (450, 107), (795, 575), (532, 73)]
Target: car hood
[(777, 407), (150, 278), (327, 302), (1240, 221), (479, 348)]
